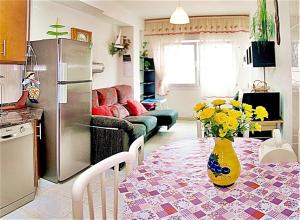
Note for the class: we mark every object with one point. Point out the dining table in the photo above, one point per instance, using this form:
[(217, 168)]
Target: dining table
[(172, 183)]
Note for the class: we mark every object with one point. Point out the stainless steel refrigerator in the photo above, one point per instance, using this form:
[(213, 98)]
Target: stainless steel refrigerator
[(65, 95)]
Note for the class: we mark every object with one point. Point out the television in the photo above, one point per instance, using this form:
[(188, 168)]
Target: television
[(269, 100), (262, 54)]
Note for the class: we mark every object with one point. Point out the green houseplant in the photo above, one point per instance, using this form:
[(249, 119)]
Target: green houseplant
[(262, 28), (56, 32), (262, 24), (144, 52)]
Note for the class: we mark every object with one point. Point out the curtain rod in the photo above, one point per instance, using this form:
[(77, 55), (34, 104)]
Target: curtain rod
[(202, 16)]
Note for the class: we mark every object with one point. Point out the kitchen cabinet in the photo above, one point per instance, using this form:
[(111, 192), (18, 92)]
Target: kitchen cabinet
[(13, 31)]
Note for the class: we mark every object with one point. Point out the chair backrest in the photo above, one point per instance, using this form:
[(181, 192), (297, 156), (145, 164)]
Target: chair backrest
[(84, 181), (137, 149)]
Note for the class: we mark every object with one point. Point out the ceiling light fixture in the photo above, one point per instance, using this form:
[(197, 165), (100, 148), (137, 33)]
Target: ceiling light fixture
[(179, 16)]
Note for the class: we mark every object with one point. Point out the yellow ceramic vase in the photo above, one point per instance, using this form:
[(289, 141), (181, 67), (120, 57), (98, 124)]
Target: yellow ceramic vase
[(223, 165)]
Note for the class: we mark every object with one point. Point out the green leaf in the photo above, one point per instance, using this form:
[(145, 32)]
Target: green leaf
[(62, 33), (52, 33), (57, 26)]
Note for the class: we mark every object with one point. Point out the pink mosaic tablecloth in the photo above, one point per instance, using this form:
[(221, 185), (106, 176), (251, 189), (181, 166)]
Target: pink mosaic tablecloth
[(173, 184)]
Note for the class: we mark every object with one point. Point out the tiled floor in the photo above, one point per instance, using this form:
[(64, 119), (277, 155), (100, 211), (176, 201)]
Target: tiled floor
[(53, 201)]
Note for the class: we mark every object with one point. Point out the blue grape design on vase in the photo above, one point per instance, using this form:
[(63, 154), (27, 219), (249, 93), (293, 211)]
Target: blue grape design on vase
[(215, 167)]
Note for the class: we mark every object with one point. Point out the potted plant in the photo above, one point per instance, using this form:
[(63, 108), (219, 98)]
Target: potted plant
[(262, 32), (144, 52), (122, 49), (223, 124)]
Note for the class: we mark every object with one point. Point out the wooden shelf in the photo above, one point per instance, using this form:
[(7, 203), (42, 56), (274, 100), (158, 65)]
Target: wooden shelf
[(148, 95), (147, 83), (270, 125), (149, 70)]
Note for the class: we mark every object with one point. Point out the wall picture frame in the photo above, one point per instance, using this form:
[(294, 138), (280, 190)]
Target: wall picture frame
[(81, 35)]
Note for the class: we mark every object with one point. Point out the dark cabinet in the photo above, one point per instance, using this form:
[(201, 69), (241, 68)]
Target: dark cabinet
[(147, 78), (261, 54)]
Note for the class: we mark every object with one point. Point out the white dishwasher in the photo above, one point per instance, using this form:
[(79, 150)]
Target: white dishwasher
[(16, 167)]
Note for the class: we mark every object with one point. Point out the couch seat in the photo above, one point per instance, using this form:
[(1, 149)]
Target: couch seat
[(149, 121), (164, 117)]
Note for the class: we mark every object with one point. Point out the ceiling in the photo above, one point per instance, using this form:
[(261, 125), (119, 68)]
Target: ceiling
[(163, 9)]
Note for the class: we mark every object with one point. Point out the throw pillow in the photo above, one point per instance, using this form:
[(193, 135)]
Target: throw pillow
[(107, 96), (119, 111), (102, 110), (135, 108)]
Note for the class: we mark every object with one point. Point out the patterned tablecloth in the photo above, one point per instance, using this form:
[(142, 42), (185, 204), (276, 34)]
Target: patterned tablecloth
[(173, 184)]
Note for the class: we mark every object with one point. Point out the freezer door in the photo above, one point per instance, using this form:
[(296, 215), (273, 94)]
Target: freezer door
[(74, 147), (74, 61)]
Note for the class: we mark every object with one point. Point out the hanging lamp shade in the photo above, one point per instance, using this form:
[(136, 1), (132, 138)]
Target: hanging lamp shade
[(179, 16)]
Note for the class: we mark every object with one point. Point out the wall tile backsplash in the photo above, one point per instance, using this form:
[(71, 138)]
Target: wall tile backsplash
[(12, 82)]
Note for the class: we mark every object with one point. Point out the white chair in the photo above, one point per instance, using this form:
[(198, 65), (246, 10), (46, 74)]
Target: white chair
[(137, 149), (84, 181)]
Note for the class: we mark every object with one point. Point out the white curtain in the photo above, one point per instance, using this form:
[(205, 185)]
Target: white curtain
[(217, 69), (157, 44), (219, 59), (221, 56)]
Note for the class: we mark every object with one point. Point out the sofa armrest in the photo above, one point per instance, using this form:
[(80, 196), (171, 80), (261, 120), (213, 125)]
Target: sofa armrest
[(111, 123)]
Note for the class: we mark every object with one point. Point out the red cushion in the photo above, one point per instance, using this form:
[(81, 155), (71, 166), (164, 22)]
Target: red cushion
[(101, 110), (119, 111), (124, 93), (135, 108), (107, 96)]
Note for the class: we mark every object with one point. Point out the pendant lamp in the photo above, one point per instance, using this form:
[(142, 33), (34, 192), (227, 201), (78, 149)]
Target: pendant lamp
[(179, 16)]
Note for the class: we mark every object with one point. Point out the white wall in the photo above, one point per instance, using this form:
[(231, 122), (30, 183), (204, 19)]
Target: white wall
[(131, 70), (131, 26), (44, 13), (280, 79), (11, 82)]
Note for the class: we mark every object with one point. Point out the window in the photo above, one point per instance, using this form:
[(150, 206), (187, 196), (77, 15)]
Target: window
[(212, 65), (218, 73), (180, 63)]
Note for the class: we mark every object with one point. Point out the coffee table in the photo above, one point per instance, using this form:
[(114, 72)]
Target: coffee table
[(173, 184)]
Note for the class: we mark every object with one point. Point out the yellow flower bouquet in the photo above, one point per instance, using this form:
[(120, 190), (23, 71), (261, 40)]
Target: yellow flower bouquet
[(227, 119)]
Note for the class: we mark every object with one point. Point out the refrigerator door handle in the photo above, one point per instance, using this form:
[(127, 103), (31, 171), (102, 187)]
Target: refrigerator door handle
[(62, 93), (63, 72)]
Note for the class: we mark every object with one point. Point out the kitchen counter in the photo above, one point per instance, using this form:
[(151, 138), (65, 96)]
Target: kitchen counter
[(20, 116)]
